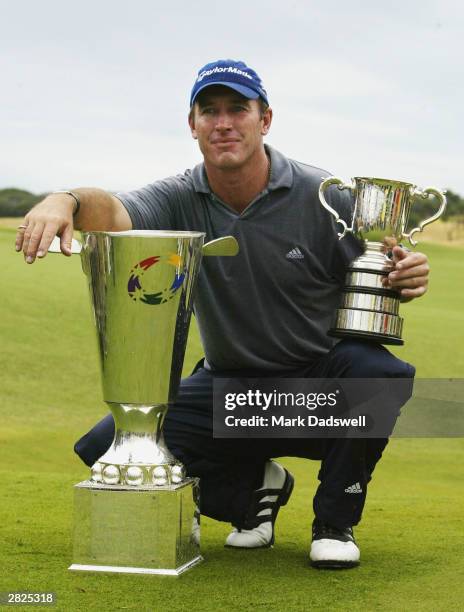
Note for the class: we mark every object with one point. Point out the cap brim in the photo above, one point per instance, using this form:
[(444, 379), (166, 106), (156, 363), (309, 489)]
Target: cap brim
[(251, 94)]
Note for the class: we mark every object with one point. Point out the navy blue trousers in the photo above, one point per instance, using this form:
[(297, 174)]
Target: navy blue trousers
[(231, 469)]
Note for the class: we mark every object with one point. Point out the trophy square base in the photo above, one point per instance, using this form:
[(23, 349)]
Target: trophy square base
[(143, 530)]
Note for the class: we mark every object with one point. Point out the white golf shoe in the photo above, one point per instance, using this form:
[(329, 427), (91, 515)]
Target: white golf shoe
[(266, 502), (333, 548)]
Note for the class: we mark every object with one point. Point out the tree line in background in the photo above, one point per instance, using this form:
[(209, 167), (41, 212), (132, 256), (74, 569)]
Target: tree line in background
[(17, 202)]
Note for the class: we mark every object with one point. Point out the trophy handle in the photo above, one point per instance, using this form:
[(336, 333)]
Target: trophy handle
[(227, 246), (333, 180), (425, 194), (54, 247)]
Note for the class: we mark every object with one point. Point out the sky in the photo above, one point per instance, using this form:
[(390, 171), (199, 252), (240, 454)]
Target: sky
[(95, 92)]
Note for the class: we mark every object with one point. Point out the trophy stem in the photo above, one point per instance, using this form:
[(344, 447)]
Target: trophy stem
[(374, 259), (138, 454)]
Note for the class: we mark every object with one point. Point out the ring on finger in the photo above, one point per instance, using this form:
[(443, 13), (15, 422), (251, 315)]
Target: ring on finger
[(22, 227)]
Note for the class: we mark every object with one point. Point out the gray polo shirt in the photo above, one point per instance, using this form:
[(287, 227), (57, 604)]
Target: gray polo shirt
[(270, 306)]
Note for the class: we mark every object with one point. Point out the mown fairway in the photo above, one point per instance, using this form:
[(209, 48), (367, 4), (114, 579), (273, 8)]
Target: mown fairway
[(411, 537)]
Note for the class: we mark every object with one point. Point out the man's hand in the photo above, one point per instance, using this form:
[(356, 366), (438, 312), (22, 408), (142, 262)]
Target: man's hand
[(99, 211), (410, 275), (51, 217)]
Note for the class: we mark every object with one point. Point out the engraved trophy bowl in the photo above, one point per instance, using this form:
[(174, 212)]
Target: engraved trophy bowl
[(380, 216)]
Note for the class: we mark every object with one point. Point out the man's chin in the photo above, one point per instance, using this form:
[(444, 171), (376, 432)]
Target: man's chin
[(227, 161)]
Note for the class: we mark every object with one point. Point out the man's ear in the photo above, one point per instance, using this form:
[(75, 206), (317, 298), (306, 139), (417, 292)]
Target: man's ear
[(191, 121), (266, 121)]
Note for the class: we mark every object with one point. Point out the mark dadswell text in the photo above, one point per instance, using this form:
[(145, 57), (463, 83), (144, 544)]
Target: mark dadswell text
[(299, 421)]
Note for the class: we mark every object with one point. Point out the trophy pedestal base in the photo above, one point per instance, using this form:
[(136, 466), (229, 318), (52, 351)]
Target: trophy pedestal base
[(135, 530)]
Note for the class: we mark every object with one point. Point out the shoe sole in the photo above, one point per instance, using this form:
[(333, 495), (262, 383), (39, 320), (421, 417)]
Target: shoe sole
[(282, 499), (336, 565)]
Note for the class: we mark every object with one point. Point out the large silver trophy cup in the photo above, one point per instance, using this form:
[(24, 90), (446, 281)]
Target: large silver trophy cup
[(136, 513), (380, 217)]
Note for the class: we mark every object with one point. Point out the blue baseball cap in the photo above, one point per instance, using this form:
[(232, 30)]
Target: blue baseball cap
[(236, 75)]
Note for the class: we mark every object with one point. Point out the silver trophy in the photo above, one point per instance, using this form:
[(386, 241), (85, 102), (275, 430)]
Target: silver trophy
[(380, 218), (138, 512)]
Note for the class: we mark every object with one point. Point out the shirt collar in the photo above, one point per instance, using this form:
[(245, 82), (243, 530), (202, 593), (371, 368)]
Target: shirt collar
[(281, 173)]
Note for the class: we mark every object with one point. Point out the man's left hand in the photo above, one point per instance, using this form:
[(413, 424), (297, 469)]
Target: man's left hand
[(410, 275)]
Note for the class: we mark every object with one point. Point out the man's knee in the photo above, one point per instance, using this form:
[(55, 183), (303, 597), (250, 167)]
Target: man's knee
[(96, 442), (361, 359)]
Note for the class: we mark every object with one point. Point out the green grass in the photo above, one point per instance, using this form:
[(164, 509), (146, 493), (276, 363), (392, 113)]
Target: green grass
[(434, 324), (411, 535)]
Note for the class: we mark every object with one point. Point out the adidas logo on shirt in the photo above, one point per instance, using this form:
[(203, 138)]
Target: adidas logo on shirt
[(355, 488), (295, 254)]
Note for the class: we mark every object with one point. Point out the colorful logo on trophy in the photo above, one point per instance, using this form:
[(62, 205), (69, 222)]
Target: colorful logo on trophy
[(135, 285)]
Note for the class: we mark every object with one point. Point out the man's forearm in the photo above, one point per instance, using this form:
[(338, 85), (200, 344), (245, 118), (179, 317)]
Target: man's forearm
[(98, 210)]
